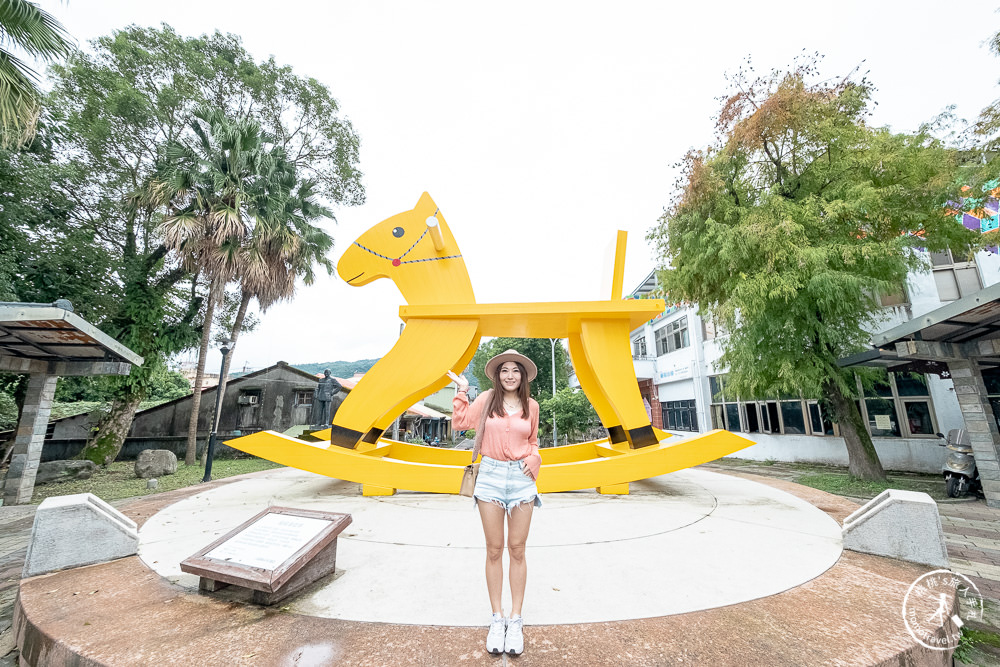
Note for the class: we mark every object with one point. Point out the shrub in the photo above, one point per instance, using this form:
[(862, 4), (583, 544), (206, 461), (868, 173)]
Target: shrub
[(8, 412)]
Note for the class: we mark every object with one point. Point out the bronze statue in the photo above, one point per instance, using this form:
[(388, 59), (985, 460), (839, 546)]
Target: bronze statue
[(323, 395)]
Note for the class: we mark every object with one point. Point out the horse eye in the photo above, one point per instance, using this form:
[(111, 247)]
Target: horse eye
[(397, 232)]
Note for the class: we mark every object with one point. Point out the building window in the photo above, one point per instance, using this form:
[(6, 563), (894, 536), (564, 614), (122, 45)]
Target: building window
[(792, 419), (898, 297), (678, 334), (711, 330), (954, 279), (304, 397), (672, 337), (660, 339), (639, 347), (680, 415), (991, 378), (787, 415), (898, 406)]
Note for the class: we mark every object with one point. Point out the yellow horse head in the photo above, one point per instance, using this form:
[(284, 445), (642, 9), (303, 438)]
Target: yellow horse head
[(417, 251)]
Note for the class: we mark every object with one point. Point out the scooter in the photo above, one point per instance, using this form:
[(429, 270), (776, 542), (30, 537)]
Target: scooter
[(960, 472)]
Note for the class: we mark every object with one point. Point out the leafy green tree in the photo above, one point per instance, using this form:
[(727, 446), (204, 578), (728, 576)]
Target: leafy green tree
[(789, 227), (24, 26), (538, 350), (166, 385), (8, 412), (575, 416), (983, 167), (44, 256), (114, 110)]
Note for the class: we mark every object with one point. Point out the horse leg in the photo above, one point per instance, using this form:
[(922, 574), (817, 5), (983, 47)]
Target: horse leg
[(594, 391), (606, 348), (385, 421), (412, 369)]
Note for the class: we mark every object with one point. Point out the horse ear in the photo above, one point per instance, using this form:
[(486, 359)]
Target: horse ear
[(425, 202)]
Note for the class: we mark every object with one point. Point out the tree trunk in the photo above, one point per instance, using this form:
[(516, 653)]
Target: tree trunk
[(233, 337), (105, 444), (199, 379), (861, 455)]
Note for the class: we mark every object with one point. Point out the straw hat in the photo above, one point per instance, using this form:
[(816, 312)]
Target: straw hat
[(512, 355)]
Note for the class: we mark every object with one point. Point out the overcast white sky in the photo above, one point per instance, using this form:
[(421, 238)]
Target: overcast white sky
[(542, 127)]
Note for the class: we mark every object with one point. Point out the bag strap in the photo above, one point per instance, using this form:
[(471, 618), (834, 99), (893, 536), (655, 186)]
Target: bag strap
[(487, 398)]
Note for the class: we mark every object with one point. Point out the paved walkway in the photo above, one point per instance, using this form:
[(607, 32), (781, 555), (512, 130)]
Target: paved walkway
[(972, 532), (15, 531), (971, 529)]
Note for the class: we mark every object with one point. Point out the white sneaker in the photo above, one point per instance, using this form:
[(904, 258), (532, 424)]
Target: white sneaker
[(514, 640), (494, 640)]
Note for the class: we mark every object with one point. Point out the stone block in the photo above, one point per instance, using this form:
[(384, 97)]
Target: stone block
[(63, 471), (155, 463), (75, 530), (898, 524), (985, 457), (968, 399), (991, 474), (977, 426)]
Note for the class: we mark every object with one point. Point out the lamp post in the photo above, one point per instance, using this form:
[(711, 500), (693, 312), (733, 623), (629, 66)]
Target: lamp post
[(215, 418), (553, 341)]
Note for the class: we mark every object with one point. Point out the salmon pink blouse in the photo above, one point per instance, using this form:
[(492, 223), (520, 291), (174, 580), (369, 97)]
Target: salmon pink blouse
[(507, 438)]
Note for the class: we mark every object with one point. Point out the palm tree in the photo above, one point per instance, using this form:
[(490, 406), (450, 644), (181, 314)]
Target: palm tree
[(285, 246), (24, 26), (237, 212), (211, 185)]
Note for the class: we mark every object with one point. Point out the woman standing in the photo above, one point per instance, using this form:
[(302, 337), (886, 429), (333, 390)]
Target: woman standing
[(505, 486)]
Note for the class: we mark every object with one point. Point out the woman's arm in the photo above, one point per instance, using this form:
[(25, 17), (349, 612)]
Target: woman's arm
[(465, 416), (533, 462)]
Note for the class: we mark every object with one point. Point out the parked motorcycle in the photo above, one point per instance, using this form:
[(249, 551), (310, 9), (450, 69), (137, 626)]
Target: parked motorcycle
[(960, 472)]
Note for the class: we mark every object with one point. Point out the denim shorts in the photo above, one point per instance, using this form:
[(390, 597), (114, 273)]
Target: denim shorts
[(503, 483)]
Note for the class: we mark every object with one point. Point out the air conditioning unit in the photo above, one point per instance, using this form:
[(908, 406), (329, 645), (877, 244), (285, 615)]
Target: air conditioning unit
[(249, 399)]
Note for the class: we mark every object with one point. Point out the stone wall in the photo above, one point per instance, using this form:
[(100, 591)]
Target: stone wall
[(58, 450), (904, 454)]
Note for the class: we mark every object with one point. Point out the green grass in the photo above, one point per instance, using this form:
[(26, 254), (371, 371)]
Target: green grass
[(60, 410), (978, 647), (845, 485), (118, 480)]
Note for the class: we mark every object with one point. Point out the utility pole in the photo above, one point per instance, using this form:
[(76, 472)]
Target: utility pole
[(553, 341), (395, 424), (219, 389)]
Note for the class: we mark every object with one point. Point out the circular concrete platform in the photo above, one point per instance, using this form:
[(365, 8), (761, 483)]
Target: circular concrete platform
[(123, 613), (684, 542)]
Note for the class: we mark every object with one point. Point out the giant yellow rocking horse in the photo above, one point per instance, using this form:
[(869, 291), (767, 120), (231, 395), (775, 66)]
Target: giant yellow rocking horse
[(418, 252)]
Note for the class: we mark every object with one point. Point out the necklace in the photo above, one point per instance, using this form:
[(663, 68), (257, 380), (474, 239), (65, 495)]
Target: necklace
[(512, 406)]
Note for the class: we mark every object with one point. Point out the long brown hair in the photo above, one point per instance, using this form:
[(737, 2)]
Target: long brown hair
[(523, 392)]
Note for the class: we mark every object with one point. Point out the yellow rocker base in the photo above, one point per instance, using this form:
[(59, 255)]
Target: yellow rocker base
[(391, 465)]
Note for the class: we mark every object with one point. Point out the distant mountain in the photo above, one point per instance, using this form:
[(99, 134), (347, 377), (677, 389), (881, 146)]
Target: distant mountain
[(347, 369), (340, 369)]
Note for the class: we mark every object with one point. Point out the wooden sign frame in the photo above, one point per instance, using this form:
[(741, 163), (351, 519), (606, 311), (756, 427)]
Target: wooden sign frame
[(314, 560)]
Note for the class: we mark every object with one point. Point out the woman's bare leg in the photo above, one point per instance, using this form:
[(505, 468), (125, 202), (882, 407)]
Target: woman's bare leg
[(492, 516), (517, 534)]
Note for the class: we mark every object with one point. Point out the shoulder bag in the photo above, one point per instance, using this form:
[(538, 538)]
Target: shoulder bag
[(472, 470)]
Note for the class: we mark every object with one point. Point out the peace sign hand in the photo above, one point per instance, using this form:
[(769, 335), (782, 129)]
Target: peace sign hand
[(463, 384)]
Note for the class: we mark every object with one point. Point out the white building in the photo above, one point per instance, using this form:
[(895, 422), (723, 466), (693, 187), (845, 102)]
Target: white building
[(676, 361)]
